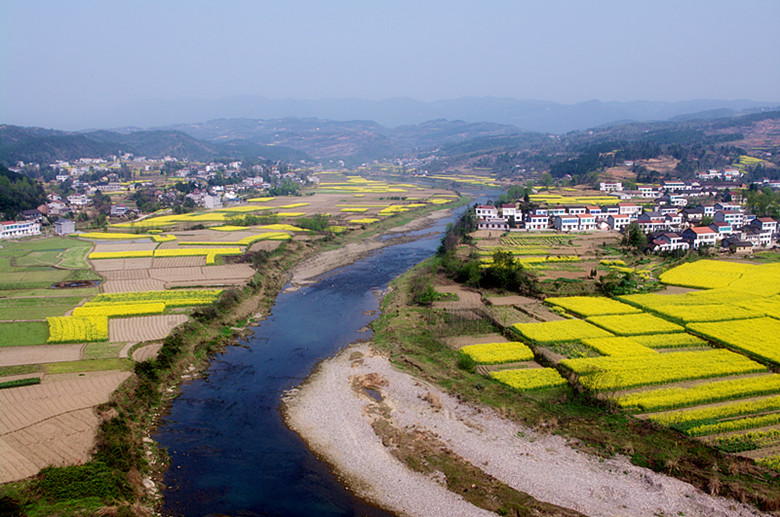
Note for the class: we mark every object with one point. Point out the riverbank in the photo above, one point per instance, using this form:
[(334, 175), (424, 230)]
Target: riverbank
[(325, 261), (337, 409)]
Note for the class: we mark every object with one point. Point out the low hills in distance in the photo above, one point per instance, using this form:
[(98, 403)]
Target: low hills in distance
[(358, 141), (528, 115)]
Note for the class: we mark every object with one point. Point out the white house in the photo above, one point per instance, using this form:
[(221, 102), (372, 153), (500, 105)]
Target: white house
[(13, 229), (700, 236), (587, 222), (212, 202), (610, 186), (64, 226), (765, 223), (618, 221), (734, 218), (648, 192), (669, 242), (630, 209), (511, 212), (566, 223), (486, 212), (537, 222)]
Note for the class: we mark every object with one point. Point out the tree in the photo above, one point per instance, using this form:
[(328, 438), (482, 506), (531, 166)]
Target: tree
[(546, 180), (18, 193), (102, 203), (635, 237), (616, 283)]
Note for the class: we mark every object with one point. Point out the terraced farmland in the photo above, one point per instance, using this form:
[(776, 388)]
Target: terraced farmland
[(698, 362)]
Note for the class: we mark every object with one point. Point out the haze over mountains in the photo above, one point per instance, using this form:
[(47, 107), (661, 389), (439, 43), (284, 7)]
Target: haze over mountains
[(352, 130), (527, 115)]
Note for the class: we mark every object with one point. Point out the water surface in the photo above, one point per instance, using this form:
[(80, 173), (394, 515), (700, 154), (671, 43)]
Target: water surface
[(231, 452)]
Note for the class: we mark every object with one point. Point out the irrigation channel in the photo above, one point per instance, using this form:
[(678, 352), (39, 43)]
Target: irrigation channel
[(230, 450)]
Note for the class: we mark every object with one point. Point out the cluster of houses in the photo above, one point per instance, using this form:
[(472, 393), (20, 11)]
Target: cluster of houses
[(675, 192), (668, 227)]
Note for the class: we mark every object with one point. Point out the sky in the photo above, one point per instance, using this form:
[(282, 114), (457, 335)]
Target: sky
[(61, 57)]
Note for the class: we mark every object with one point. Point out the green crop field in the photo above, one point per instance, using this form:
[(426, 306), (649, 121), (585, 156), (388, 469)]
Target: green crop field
[(31, 277), (23, 333), (75, 257), (39, 258), (81, 292), (36, 308), (89, 365)]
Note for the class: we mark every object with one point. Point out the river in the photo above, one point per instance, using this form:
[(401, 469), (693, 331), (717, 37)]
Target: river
[(231, 453)]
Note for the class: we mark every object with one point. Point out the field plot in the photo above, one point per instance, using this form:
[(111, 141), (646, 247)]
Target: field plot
[(22, 333), (663, 366), (573, 330), (635, 324), (497, 353), (120, 286), (122, 264), (144, 328), (39, 354), (208, 275), (530, 379), (172, 262), (126, 274), (759, 337), (52, 423), (122, 247), (585, 306), (609, 373)]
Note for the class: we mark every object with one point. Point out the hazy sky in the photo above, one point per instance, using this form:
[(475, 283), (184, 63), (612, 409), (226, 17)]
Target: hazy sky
[(60, 56)]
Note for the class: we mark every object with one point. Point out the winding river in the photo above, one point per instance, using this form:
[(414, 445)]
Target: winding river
[(230, 450)]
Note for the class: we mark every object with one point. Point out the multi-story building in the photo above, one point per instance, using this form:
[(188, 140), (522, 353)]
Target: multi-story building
[(566, 223), (14, 229), (699, 236)]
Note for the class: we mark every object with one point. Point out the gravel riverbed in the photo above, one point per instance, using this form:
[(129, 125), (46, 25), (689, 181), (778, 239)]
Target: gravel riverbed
[(334, 419)]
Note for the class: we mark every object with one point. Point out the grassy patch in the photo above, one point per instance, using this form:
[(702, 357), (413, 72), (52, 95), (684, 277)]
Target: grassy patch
[(75, 257), (20, 369), (89, 365), (767, 256), (39, 258), (31, 278), (82, 274), (36, 308), (23, 333), (81, 292), (26, 265), (102, 350)]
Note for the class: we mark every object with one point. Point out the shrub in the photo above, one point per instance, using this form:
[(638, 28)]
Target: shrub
[(95, 479)]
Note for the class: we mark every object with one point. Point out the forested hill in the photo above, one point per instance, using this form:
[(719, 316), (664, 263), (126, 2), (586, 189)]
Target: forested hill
[(18, 193), (699, 144), (47, 145)]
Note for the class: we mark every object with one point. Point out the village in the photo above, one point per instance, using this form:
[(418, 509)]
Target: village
[(675, 215)]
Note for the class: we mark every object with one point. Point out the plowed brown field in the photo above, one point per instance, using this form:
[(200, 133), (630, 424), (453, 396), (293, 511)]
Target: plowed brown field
[(51, 423), (37, 354), (143, 328)]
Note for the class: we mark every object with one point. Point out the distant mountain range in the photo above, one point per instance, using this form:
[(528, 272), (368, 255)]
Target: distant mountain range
[(527, 115), (289, 140), (354, 141)]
